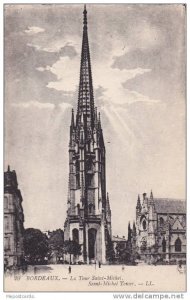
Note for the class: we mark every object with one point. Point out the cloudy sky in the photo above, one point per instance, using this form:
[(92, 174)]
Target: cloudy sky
[(138, 66)]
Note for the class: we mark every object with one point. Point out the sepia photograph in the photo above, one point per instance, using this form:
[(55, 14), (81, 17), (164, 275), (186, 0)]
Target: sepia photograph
[(94, 147)]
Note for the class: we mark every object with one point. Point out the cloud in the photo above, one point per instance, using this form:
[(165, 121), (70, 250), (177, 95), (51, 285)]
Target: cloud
[(42, 69), (40, 105), (111, 80), (34, 30), (64, 106), (146, 36), (36, 104), (36, 47), (138, 97), (65, 70), (65, 47)]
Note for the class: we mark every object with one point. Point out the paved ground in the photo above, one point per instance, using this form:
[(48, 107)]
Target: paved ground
[(106, 278)]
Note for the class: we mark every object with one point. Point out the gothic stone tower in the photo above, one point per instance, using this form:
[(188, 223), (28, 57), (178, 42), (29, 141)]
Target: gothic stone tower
[(88, 213)]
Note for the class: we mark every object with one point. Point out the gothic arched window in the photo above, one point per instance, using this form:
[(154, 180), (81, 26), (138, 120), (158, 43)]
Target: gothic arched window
[(161, 221), (164, 245), (76, 235), (91, 208), (178, 245), (144, 224)]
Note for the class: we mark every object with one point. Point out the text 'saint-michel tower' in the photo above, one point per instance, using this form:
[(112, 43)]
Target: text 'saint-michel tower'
[(88, 214)]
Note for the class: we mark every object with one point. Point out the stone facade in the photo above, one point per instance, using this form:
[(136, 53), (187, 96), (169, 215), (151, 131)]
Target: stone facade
[(13, 221), (161, 229), (88, 214)]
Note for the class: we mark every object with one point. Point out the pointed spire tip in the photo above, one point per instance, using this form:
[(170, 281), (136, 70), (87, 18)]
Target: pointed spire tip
[(72, 118), (85, 15)]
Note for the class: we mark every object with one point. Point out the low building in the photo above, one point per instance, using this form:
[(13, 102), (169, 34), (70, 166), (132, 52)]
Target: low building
[(161, 229), (119, 243), (13, 221)]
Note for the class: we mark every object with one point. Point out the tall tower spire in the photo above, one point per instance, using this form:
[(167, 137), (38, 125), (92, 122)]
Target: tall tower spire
[(85, 95), (89, 215)]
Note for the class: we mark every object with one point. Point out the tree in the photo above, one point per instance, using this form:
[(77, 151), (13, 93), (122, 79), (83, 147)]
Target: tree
[(124, 252), (35, 245), (71, 247), (56, 241)]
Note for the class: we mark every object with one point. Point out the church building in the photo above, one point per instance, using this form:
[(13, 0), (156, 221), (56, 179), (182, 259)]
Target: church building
[(160, 229), (88, 220)]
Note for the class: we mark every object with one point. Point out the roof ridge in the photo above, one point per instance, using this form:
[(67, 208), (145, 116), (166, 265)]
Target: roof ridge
[(170, 199)]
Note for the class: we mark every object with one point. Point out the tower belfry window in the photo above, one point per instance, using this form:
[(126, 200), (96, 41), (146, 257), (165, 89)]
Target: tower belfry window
[(178, 245)]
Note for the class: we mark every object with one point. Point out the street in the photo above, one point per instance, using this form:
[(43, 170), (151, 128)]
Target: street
[(93, 278)]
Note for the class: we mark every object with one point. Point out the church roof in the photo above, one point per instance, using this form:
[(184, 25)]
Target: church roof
[(165, 205)]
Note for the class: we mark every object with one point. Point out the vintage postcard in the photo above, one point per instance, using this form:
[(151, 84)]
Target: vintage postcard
[(95, 147)]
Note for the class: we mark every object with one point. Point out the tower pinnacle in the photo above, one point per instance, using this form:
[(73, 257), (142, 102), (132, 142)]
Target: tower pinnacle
[(151, 200), (72, 118), (138, 207), (85, 15)]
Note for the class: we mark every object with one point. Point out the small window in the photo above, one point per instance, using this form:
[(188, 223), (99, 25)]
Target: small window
[(178, 245)]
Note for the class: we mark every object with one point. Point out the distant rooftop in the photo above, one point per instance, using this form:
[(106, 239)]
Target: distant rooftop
[(165, 205), (118, 239)]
